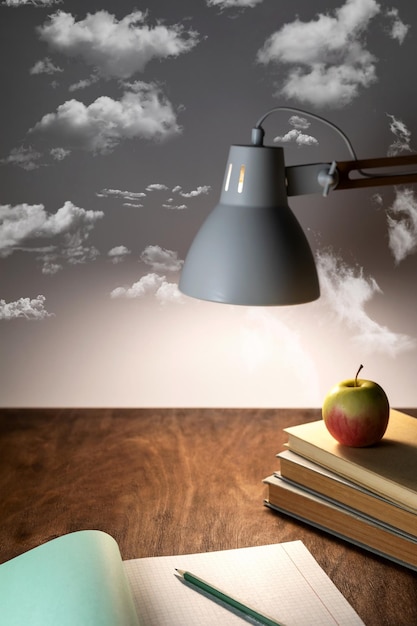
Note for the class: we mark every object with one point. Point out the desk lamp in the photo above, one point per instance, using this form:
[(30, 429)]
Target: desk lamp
[(251, 249)]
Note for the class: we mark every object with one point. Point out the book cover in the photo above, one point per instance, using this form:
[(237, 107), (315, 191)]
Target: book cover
[(388, 468), (341, 522), (319, 480)]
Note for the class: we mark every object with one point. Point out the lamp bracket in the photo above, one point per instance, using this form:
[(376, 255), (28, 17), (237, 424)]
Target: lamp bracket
[(328, 178)]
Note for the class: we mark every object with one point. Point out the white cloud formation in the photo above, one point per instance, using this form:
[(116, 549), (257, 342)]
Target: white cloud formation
[(84, 83), (118, 254), (161, 260), (45, 66), (49, 267), (327, 58), (151, 285), (169, 293), (27, 308), (99, 127), (296, 136), (35, 3), (402, 136), (131, 198), (402, 224), (200, 190), (346, 291), (59, 154), (26, 158), (72, 251), (232, 4), (402, 214), (299, 122), (174, 207), (156, 187), (116, 48), (70, 225), (398, 29)]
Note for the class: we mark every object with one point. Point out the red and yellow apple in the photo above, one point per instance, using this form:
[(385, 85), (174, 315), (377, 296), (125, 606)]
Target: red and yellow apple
[(356, 412)]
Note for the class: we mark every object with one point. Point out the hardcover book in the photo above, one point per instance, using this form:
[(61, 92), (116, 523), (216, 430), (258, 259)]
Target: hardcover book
[(341, 521), (388, 468), (320, 481)]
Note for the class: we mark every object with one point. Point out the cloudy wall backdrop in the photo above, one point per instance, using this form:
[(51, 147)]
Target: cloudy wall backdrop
[(116, 120)]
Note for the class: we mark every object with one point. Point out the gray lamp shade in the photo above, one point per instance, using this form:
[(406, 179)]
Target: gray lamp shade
[(251, 250)]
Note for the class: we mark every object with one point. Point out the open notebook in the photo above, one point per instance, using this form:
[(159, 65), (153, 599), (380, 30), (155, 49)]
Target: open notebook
[(80, 579)]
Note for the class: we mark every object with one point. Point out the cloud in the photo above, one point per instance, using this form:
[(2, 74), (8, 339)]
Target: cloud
[(402, 137), (130, 197), (231, 4), (299, 122), (35, 3), (402, 224), (26, 158), (201, 190), (45, 66), (72, 251), (169, 293), (49, 267), (296, 136), (27, 308), (174, 207), (156, 187), (328, 62), (398, 29), (115, 48), (99, 127), (118, 254), (346, 291), (151, 285), (161, 260), (59, 154), (70, 226), (402, 214), (84, 83)]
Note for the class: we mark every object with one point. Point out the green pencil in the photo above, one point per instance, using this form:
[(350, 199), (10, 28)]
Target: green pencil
[(197, 582)]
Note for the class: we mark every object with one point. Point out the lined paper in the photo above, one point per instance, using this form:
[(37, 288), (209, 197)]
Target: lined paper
[(282, 580)]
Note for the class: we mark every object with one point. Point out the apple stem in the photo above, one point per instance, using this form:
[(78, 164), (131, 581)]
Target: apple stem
[(357, 373)]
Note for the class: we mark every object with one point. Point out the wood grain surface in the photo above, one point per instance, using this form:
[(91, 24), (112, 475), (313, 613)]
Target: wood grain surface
[(171, 481)]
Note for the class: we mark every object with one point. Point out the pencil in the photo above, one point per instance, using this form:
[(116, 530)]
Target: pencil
[(201, 584)]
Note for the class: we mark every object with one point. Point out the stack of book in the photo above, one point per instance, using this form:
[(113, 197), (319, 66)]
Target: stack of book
[(367, 496)]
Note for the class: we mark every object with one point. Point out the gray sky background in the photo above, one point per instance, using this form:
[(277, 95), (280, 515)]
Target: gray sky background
[(116, 120)]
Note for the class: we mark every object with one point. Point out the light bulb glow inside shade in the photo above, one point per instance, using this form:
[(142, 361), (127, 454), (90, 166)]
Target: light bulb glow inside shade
[(251, 250)]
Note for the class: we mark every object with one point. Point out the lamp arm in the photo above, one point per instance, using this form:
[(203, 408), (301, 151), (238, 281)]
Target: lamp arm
[(315, 177), (303, 179)]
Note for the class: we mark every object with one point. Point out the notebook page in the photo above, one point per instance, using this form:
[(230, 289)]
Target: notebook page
[(281, 580)]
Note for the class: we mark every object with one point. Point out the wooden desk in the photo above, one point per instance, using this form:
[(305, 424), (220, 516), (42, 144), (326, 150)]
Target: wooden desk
[(170, 481)]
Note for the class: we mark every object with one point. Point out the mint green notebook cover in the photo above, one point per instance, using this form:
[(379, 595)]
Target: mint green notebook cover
[(77, 579)]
